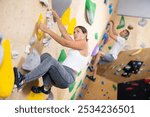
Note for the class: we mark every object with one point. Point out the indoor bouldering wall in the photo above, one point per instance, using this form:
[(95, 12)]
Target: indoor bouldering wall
[(18, 24)]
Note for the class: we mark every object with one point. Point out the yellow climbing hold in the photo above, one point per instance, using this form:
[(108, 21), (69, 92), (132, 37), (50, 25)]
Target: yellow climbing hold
[(39, 32), (6, 71), (34, 96), (71, 26), (66, 17)]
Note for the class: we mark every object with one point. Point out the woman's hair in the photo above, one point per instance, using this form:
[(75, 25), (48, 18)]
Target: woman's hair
[(84, 30)]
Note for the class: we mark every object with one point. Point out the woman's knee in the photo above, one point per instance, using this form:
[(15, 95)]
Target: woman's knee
[(45, 55)]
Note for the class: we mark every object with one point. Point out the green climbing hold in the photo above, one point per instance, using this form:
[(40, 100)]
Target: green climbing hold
[(96, 36), (73, 96), (79, 73), (114, 87), (80, 83), (90, 11), (109, 47), (62, 56), (72, 87), (122, 23)]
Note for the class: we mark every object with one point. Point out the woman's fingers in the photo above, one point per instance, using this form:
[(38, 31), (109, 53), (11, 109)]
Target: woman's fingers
[(43, 27)]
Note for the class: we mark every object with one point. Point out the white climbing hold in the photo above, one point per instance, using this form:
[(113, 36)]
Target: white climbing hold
[(143, 45), (45, 2), (27, 49), (32, 40), (32, 61), (142, 22), (49, 14), (14, 54), (46, 41)]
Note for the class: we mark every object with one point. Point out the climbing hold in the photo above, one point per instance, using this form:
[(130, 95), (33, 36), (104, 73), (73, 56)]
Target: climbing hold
[(119, 69), (116, 73), (142, 22), (143, 45), (14, 54), (46, 41), (71, 26), (134, 84), (134, 95), (114, 87), (102, 83), (27, 49), (122, 23), (66, 17), (73, 96), (40, 33), (105, 38), (79, 73), (44, 2), (105, 2), (60, 6), (90, 11), (80, 83), (129, 88), (96, 36), (84, 86), (33, 40), (62, 56), (110, 9), (96, 50), (100, 47), (6, 71), (109, 47), (32, 61), (130, 27), (72, 87), (80, 95)]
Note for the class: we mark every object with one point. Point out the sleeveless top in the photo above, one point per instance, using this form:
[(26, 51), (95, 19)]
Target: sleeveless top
[(75, 60)]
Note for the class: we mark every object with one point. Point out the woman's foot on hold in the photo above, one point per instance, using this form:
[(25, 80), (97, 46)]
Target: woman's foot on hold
[(91, 68), (91, 78), (18, 78), (37, 89)]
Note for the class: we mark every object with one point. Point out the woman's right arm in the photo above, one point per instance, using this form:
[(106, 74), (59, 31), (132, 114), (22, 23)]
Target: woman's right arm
[(61, 26)]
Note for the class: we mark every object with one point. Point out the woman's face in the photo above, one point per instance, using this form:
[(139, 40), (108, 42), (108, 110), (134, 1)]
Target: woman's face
[(78, 34)]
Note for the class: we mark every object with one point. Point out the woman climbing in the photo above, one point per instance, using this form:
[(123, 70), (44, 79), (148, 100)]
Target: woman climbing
[(53, 72)]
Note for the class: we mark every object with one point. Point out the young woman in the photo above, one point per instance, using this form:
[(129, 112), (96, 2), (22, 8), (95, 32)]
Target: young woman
[(53, 72)]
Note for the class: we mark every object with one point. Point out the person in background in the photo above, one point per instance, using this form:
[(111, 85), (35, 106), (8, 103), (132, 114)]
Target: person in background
[(103, 58)]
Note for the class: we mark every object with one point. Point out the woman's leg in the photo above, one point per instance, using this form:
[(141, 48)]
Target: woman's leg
[(46, 62)]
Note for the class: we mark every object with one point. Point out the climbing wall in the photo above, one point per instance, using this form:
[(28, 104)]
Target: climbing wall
[(18, 23), (138, 39)]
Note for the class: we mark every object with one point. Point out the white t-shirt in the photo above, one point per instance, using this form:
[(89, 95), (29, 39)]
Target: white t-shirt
[(117, 47)]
